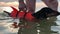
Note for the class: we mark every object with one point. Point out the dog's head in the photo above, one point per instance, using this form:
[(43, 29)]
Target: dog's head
[(45, 12)]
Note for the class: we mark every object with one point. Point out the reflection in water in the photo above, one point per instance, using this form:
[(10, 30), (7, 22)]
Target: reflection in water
[(40, 27), (45, 26)]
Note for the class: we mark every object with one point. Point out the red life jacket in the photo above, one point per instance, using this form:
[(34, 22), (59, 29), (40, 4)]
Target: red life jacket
[(21, 15), (14, 12), (29, 16)]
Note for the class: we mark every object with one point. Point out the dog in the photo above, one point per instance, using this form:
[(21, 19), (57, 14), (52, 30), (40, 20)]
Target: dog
[(45, 13)]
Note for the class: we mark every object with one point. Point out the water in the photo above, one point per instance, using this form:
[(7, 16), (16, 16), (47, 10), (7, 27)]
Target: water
[(51, 26)]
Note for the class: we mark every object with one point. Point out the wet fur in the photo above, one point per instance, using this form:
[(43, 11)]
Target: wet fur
[(42, 14)]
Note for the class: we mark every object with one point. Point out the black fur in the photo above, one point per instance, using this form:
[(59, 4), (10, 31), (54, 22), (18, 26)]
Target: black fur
[(43, 13)]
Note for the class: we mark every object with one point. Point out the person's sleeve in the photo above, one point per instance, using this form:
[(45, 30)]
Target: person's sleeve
[(53, 4)]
